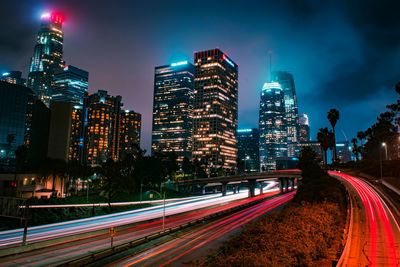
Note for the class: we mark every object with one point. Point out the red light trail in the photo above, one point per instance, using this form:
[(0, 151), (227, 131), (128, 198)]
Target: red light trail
[(378, 234)]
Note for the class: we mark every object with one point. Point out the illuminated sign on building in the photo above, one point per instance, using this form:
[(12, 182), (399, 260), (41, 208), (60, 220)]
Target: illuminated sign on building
[(228, 60), (179, 63)]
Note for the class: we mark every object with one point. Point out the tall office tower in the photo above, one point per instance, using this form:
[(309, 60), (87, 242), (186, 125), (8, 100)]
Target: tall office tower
[(248, 149), (344, 151), (70, 85), (47, 57), (172, 109), (66, 132), (215, 110), (13, 77), (272, 126), (103, 127), (23, 121), (131, 123), (285, 79), (304, 128)]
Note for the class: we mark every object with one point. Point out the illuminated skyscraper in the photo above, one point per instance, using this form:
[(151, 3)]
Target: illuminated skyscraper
[(285, 79), (103, 127), (66, 135), (215, 110), (248, 149), (47, 57), (272, 126), (304, 128), (172, 109), (13, 77), (70, 85), (131, 123)]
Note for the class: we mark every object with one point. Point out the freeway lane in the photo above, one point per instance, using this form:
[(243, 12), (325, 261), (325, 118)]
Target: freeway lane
[(375, 236), (57, 230), (61, 252), (176, 251)]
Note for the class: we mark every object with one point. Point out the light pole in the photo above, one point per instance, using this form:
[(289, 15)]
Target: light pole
[(163, 217), (245, 162), (87, 190), (384, 145)]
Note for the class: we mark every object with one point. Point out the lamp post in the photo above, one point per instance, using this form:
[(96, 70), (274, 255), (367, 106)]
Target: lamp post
[(245, 162), (385, 146), (163, 217)]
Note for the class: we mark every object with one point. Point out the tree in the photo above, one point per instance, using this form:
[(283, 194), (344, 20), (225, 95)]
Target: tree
[(187, 167), (112, 181), (10, 140), (356, 148), (333, 117), (323, 139)]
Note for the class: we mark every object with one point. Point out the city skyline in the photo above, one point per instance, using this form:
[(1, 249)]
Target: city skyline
[(312, 81)]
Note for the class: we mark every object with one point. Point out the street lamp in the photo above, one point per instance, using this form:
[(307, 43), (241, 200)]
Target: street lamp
[(245, 162), (163, 196), (384, 145)]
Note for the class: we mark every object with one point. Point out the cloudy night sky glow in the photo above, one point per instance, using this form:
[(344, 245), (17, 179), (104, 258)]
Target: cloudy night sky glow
[(343, 55)]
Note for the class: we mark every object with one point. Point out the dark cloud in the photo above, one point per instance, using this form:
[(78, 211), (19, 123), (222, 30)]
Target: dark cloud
[(343, 54)]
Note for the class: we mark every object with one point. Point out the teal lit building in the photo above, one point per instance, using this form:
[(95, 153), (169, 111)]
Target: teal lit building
[(248, 149), (70, 85), (172, 109)]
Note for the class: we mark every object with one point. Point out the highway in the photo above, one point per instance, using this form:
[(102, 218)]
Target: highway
[(57, 230), (374, 236), (61, 251), (176, 251)]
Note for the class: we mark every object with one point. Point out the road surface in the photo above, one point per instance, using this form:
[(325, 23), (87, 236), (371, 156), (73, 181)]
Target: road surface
[(179, 250), (374, 237), (63, 251)]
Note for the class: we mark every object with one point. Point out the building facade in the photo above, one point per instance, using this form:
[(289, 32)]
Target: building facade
[(248, 149), (66, 135), (344, 151), (131, 125), (215, 110), (172, 109), (14, 77), (70, 84), (47, 57), (304, 128), (23, 121), (272, 126), (285, 79), (103, 127)]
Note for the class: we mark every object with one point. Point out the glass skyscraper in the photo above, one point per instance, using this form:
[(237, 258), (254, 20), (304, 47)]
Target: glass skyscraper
[(131, 124), (272, 126), (172, 109), (285, 79), (248, 149), (215, 110), (103, 127), (47, 57), (70, 85), (304, 128)]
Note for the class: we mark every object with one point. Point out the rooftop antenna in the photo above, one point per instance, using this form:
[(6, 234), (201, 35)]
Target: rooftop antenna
[(345, 137), (270, 64)]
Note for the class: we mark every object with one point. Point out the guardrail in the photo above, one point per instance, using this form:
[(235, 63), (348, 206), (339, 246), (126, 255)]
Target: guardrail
[(101, 254)]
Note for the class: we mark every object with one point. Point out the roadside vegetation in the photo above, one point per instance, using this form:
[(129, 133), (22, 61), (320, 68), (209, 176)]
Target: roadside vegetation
[(307, 232)]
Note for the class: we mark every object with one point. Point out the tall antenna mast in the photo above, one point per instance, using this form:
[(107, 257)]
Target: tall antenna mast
[(270, 64)]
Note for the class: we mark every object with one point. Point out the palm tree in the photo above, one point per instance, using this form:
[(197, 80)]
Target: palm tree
[(323, 139), (10, 140), (356, 148), (333, 117)]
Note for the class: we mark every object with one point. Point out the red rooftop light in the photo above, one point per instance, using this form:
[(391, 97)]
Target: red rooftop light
[(53, 17)]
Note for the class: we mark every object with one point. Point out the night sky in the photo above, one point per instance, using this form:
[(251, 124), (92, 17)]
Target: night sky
[(344, 56)]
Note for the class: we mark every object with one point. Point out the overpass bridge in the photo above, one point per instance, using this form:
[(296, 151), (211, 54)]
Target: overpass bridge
[(287, 181)]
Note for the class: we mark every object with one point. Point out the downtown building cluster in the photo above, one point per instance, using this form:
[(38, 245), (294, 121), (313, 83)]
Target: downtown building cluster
[(53, 115), (195, 110)]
